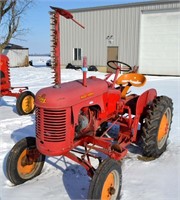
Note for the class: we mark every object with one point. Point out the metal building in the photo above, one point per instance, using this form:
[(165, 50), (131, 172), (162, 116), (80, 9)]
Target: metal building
[(146, 34), (18, 55)]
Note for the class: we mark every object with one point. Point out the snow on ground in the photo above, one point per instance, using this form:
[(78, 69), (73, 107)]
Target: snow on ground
[(63, 179)]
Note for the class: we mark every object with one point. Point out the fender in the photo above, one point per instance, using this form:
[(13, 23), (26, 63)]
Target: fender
[(144, 99)]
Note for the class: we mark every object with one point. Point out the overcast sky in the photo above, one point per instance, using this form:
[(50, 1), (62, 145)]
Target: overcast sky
[(37, 20)]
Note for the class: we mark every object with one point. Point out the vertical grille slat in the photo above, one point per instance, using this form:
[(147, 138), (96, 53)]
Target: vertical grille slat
[(52, 124)]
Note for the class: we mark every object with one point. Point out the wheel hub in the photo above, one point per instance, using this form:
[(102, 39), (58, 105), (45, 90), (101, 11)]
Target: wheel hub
[(111, 190), (108, 188), (26, 161), (25, 165)]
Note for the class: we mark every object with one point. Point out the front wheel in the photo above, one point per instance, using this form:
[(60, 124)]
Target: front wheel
[(156, 127), (24, 161), (25, 103), (106, 182)]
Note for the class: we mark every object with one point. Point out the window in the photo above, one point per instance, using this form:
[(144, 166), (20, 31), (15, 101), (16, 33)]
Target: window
[(77, 53)]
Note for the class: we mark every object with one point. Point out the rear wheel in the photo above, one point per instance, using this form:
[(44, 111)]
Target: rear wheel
[(106, 182), (156, 127), (24, 161), (25, 103)]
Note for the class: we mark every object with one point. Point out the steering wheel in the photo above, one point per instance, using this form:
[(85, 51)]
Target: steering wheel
[(125, 68)]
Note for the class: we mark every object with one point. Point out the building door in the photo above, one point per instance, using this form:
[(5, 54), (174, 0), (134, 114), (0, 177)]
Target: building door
[(112, 54), (159, 43)]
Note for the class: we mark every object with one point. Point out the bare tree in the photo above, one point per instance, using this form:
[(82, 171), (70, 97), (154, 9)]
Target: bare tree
[(11, 12)]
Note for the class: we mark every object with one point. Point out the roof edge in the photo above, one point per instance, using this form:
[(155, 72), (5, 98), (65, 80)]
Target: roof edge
[(14, 46), (123, 5)]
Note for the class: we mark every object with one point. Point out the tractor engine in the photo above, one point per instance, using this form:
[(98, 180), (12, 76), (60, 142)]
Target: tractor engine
[(86, 121)]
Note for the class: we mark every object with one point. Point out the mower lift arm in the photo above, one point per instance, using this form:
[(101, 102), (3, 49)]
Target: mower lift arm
[(66, 14)]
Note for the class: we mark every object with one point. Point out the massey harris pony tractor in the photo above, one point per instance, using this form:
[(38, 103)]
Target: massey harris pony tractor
[(25, 98), (74, 120)]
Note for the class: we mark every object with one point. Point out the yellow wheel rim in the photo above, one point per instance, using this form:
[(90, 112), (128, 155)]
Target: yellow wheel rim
[(108, 188), (28, 104), (23, 167), (164, 129)]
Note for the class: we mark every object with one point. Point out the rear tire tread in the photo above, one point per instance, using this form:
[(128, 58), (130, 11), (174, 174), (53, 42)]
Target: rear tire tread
[(151, 126)]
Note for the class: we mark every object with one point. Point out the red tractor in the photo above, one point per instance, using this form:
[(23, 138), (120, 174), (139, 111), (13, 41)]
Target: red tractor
[(74, 119), (25, 98)]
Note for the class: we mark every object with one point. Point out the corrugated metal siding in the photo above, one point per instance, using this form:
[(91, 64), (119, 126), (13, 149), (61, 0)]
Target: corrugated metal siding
[(123, 23)]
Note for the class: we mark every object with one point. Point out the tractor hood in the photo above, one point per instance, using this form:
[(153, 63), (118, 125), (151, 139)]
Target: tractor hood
[(70, 93)]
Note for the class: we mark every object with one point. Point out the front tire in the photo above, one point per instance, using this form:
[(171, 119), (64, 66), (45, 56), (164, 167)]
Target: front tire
[(25, 103), (106, 182), (24, 161), (156, 127)]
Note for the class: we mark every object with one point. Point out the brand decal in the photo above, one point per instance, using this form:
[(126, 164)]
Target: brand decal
[(42, 98), (87, 95)]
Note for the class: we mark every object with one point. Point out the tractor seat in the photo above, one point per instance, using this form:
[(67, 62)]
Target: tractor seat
[(128, 80)]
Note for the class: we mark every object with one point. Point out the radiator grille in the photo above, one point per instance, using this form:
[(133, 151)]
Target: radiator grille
[(52, 124)]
